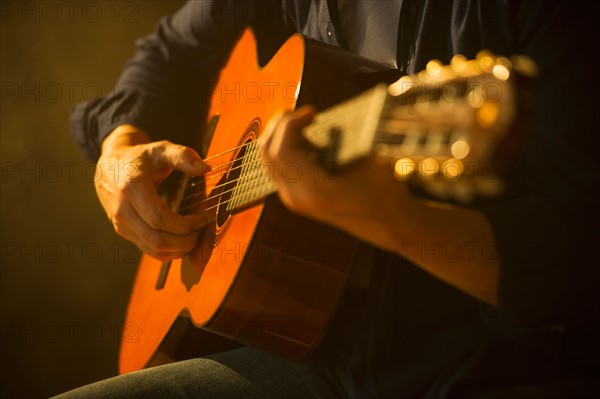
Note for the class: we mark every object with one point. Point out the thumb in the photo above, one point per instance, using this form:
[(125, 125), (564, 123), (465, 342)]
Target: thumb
[(181, 158)]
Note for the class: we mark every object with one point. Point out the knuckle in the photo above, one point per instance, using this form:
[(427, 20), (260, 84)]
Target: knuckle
[(118, 228), (155, 220), (179, 154), (286, 122), (163, 143), (181, 150), (273, 152), (163, 256), (119, 215), (126, 189), (156, 242)]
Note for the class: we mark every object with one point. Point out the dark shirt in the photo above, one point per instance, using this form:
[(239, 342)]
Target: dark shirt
[(424, 338)]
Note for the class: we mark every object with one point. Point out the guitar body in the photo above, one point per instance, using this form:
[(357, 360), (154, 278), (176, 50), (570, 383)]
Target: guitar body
[(260, 276)]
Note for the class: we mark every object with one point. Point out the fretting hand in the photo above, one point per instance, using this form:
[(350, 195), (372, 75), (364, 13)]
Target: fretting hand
[(354, 200)]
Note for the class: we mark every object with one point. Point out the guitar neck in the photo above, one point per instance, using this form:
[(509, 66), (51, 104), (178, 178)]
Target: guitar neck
[(438, 129), (358, 119)]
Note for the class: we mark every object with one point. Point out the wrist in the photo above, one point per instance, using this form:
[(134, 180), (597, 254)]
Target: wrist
[(124, 136), (400, 227)]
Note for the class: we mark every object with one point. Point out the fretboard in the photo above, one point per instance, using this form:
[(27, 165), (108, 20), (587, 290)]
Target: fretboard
[(254, 182), (357, 118)]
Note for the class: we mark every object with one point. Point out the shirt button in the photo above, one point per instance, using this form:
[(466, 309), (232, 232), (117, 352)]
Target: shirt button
[(329, 33)]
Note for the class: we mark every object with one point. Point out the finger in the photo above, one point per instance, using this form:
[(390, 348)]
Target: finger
[(157, 241), (157, 244), (161, 256), (180, 157), (267, 134), (143, 197), (287, 143)]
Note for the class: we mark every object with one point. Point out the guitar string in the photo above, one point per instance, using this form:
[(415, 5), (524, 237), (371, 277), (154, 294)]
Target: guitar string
[(252, 164), (334, 117), (232, 161), (331, 115), (202, 192), (241, 187), (337, 116), (217, 171), (218, 195), (219, 175), (210, 198), (230, 150), (214, 196), (223, 203)]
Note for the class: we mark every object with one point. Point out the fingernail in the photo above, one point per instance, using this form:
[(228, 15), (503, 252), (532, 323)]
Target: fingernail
[(199, 164)]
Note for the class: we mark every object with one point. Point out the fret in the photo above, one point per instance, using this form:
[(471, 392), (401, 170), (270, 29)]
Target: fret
[(253, 183)]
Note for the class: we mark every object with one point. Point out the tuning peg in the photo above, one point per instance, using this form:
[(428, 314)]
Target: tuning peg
[(435, 71), (486, 60), (475, 97), (458, 63), (404, 168), (487, 114), (460, 149), (452, 169), (524, 65), (502, 68), (428, 167), (434, 67), (465, 68)]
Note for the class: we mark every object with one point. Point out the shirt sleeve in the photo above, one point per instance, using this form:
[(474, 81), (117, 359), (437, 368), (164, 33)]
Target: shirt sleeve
[(546, 234), (165, 85)]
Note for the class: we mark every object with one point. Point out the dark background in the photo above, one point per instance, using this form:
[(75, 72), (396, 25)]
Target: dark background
[(65, 275)]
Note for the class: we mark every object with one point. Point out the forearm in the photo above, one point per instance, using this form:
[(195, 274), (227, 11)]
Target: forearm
[(452, 243)]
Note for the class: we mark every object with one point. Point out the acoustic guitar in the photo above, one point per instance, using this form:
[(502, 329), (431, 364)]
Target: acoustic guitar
[(263, 276)]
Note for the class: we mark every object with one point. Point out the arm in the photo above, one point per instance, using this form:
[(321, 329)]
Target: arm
[(371, 204), (164, 87), (160, 95), (534, 255)]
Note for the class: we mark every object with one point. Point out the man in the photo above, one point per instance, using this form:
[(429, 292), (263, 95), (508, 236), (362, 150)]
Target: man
[(513, 317)]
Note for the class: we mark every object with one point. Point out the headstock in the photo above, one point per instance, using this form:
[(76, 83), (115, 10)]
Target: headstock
[(440, 129), (443, 126)]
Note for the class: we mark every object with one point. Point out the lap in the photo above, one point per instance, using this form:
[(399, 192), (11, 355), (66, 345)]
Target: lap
[(244, 372)]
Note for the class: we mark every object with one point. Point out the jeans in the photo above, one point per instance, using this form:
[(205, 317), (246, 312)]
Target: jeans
[(245, 372)]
